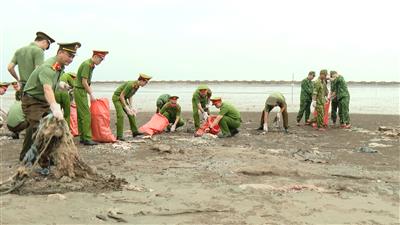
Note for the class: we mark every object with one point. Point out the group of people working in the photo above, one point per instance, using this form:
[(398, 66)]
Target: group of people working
[(44, 87)]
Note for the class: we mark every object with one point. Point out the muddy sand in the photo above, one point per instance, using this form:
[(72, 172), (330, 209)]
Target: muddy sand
[(305, 177)]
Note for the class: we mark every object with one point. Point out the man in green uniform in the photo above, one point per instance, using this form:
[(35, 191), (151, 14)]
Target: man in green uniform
[(342, 94), (81, 91), (172, 110), (228, 118), (161, 101), (273, 100), (29, 57), (38, 96), (16, 121), (334, 101), (122, 99), (63, 97), (320, 93), (200, 100), (306, 98)]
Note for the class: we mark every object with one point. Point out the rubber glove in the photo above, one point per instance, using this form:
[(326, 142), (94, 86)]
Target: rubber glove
[(56, 110), (314, 103), (92, 97), (129, 111), (173, 128), (205, 115), (63, 86), (265, 127)]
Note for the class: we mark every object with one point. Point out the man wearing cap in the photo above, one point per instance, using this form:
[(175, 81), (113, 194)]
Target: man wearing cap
[(161, 101), (228, 118), (273, 100), (172, 111), (334, 101), (306, 98), (122, 99), (341, 93), (29, 57), (200, 100), (63, 96), (3, 87), (82, 89), (320, 93), (38, 94)]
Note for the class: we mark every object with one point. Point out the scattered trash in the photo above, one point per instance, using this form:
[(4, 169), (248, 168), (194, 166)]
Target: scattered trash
[(101, 217), (114, 215), (366, 150), (65, 179), (374, 145), (132, 187), (56, 196), (163, 148), (286, 188), (389, 131), (313, 156)]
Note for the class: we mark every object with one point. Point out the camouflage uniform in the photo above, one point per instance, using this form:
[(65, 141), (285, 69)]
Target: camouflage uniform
[(321, 92), (334, 103), (305, 99), (343, 98)]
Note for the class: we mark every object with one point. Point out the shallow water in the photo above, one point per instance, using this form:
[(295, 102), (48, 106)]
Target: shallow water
[(365, 98)]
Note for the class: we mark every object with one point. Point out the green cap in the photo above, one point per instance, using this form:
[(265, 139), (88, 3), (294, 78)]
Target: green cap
[(69, 47), (312, 73), (202, 87), (41, 34), (144, 76), (332, 72), (323, 72)]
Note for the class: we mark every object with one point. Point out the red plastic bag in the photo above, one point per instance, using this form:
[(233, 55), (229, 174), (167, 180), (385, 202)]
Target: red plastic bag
[(157, 124), (326, 114), (73, 121), (101, 131), (202, 130)]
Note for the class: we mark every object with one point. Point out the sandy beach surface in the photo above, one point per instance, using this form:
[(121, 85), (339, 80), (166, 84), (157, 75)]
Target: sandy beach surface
[(305, 177)]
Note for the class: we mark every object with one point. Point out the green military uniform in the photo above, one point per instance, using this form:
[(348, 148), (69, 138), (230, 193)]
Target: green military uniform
[(203, 100), (320, 91), (334, 103), (27, 58), (231, 119), (34, 104), (63, 98), (85, 70), (276, 99), (171, 112), (129, 88), (16, 121), (343, 98), (161, 101), (305, 99)]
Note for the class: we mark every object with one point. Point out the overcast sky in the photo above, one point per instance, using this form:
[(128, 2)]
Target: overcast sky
[(214, 40)]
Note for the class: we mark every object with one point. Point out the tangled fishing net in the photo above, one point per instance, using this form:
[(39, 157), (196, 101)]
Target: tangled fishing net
[(54, 144)]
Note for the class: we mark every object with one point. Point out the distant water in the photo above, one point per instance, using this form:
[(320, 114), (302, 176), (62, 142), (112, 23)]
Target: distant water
[(365, 98)]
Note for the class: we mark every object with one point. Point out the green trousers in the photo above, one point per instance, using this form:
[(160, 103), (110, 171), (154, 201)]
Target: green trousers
[(84, 119), (334, 109), (227, 124), (171, 119), (343, 104), (62, 98), (320, 115), (196, 115), (120, 120), (304, 109)]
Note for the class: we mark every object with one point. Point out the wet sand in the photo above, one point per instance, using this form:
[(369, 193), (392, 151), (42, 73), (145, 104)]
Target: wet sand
[(305, 177)]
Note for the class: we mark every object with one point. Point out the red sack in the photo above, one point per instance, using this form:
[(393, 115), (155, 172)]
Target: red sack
[(101, 131), (326, 114), (73, 121), (202, 130), (157, 124)]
